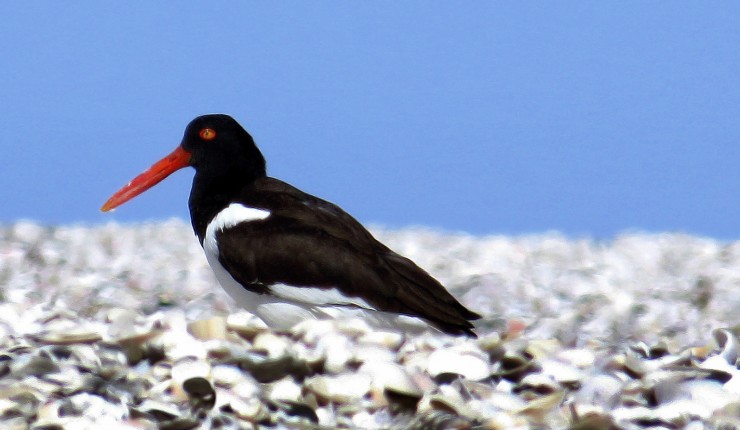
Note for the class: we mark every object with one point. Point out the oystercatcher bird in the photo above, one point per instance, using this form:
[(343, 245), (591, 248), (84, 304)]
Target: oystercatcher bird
[(286, 255)]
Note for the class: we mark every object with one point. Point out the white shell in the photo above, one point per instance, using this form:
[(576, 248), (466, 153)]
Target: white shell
[(469, 364), (386, 375), (274, 345), (285, 389), (346, 387)]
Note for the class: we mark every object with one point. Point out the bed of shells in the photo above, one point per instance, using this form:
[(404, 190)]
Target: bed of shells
[(124, 327)]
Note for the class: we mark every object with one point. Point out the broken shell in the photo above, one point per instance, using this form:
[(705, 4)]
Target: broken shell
[(650, 352), (536, 385), (465, 363), (208, 329), (631, 365), (247, 388), (160, 411), (344, 388), (728, 344), (284, 389), (274, 345), (311, 356), (226, 375), (310, 331), (248, 408), (290, 411), (15, 423), (514, 366), (245, 325), (582, 358), (540, 407), (388, 376), (187, 369), (137, 342), (727, 416), (493, 346), (34, 366), (593, 421), (352, 327), (371, 354), (438, 420), (447, 401), (337, 350), (565, 374), (387, 339), (599, 390), (265, 369), (72, 335), (541, 348)]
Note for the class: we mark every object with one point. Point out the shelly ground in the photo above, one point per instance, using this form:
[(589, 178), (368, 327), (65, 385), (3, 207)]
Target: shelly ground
[(124, 326)]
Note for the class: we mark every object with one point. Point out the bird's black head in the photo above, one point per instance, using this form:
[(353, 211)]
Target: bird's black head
[(218, 144), (221, 151)]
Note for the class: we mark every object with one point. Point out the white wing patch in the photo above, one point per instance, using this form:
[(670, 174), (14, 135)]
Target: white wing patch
[(236, 213), (317, 296)]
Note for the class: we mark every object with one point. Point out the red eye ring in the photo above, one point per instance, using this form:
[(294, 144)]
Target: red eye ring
[(207, 134)]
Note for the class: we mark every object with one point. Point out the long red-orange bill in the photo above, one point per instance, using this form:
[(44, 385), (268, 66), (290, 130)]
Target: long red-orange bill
[(163, 168)]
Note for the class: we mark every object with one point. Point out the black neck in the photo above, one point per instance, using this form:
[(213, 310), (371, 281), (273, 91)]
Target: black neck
[(211, 194)]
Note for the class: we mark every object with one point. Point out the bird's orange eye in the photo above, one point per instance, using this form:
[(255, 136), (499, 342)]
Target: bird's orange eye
[(208, 134)]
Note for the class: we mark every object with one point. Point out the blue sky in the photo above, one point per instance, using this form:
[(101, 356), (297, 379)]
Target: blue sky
[(590, 118)]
